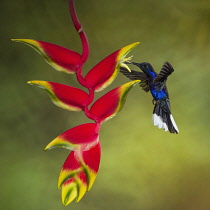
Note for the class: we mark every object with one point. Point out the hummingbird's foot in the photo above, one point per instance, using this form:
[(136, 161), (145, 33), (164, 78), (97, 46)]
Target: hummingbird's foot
[(154, 101)]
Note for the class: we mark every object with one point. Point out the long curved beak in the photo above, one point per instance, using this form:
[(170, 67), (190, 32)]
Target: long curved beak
[(139, 65), (136, 64)]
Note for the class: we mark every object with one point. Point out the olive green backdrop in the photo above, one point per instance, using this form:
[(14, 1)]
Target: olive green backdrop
[(142, 167)]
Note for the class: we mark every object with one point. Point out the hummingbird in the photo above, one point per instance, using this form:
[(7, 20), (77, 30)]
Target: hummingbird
[(155, 84)]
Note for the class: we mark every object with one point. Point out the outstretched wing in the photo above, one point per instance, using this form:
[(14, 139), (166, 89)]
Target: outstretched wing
[(166, 70), (136, 75), (133, 75)]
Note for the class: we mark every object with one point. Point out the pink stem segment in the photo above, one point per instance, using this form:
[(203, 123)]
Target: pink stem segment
[(86, 110), (80, 30), (91, 96), (80, 78), (98, 127), (88, 114)]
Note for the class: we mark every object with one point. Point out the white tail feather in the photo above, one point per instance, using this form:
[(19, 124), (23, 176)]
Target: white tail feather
[(158, 121), (173, 122)]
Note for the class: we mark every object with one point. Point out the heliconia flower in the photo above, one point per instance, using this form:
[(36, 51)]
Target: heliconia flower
[(64, 96), (60, 58), (84, 136), (80, 169), (111, 103), (104, 73), (78, 173)]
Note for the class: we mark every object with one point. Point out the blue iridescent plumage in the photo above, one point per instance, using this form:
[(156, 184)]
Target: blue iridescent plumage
[(157, 94), (156, 84)]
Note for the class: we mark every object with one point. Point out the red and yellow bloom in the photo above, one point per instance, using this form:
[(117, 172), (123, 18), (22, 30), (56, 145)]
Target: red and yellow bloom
[(78, 173), (81, 166), (104, 73)]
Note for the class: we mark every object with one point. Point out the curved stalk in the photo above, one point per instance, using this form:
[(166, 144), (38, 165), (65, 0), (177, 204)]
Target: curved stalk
[(80, 78), (80, 30)]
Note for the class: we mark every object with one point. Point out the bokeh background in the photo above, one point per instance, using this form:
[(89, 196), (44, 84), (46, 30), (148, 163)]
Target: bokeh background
[(142, 167)]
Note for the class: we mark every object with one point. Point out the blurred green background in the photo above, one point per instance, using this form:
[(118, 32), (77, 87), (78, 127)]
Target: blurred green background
[(142, 167)]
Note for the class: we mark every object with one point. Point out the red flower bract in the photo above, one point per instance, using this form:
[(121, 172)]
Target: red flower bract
[(64, 96), (111, 103), (84, 136), (104, 73), (60, 58)]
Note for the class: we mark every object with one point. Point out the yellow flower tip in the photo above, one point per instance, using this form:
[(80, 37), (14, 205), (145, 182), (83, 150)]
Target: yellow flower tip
[(134, 82), (51, 145), (21, 40), (57, 142), (133, 45), (30, 82), (41, 84), (67, 200), (69, 193), (137, 81), (125, 50), (46, 148), (16, 40), (32, 43), (78, 199)]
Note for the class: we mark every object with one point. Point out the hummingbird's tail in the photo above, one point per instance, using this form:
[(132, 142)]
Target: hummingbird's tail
[(162, 117)]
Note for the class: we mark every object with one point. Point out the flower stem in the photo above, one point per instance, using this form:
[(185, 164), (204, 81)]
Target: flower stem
[(98, 127), (91, 96), (90, 99), (80, 30), (80, 78), (88, 114)]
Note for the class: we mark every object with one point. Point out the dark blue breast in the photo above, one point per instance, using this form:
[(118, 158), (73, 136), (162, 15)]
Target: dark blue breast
[(157, 94), (152, 74)]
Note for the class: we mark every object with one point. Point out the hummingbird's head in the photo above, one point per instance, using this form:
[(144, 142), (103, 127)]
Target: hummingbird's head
[(145, 67)]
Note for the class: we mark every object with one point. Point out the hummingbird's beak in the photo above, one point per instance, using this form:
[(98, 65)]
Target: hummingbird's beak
[(136, 64), (139, 65)]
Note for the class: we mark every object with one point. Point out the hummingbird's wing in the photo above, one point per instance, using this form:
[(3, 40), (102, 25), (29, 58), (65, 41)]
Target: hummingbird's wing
[(133, 75), (136, 75), (166, 70)]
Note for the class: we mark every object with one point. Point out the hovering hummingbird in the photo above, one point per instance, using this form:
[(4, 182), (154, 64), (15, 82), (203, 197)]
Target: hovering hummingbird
[(156, 84)]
